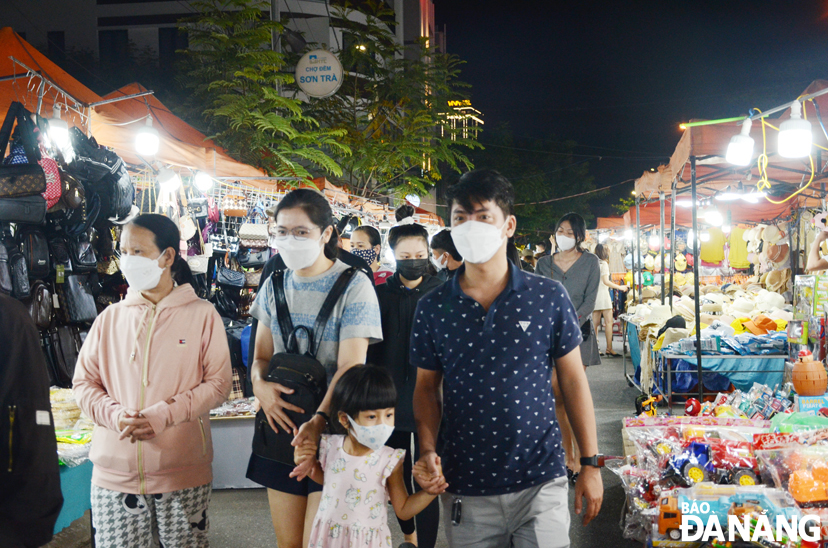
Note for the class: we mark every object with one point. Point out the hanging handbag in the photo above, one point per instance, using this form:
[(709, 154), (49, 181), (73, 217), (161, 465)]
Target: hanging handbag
[(253, 258), (73, 191), (226, 306), (234, 206), (26, 210), (5, 271), (65, 347), (229, 277), (25, 177), (19, 274), (253, 231), (76, 300), (60, 254), (148, 201), (213, 214), (301, 372), (198, 207), (82, 253), (40, 305), (252, 278), (36, 250)]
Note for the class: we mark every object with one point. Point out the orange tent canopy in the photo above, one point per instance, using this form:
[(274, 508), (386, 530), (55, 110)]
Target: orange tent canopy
[(15, 85), (611, 222), (740, 212)]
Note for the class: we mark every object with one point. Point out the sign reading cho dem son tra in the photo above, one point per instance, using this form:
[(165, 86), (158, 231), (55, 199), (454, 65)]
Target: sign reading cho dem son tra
[(319, 73)]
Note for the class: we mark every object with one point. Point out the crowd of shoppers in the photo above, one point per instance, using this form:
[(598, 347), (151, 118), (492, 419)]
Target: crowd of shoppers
[(480, 369)]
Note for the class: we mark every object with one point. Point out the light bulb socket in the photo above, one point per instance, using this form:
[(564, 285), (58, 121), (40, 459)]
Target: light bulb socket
[(795, 134)]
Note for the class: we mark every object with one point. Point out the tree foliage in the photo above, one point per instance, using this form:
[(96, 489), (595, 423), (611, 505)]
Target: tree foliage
[(232, 71), (390, 107)]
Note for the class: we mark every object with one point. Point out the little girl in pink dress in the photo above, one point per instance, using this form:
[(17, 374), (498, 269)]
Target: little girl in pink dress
[(359, 474)]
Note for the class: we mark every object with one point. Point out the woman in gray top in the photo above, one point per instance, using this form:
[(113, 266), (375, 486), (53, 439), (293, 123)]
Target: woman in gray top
[(580, 274)]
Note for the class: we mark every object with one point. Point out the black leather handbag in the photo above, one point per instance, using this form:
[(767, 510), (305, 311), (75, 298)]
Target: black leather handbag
[(40, 305), (60, 254), (229, 277), (65, 347), (19, 274), (198, 207), (36, 251), (5, 271), (253, 258), (26, 210), (82, 253), (301, 372), (76, 299)]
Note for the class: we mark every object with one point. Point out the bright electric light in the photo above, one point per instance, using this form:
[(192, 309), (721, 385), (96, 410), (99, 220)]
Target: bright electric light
[(628, 234), (713, 217), (654, 242), (603, 237), (726, 228), (740, 149), (705, 236), (58, 129), (690, 238), (168, 180), (795, 134), (203, 181), (147, 139), (753, 197), (389, 256)]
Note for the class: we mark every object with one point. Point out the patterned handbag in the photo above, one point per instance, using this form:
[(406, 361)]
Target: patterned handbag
[(252, 278), (20, 174), (234, 206)]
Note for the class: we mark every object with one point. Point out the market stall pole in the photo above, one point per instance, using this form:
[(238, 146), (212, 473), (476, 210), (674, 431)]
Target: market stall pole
[(672, 239), (697, 300), (637, 248), (661, 239)]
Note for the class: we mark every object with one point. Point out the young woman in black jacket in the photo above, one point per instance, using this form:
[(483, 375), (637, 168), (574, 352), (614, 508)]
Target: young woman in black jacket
[(398, 299)]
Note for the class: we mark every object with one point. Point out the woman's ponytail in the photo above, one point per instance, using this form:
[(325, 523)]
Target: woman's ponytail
[(181, 272)]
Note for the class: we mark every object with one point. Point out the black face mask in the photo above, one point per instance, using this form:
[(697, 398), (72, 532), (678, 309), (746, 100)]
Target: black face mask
[(412, 269)]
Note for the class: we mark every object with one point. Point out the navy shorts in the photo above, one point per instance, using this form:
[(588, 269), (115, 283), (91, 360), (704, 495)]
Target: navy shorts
[(275, 475)]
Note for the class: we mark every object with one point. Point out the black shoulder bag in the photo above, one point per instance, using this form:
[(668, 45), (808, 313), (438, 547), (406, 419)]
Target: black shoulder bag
[(300, 371)]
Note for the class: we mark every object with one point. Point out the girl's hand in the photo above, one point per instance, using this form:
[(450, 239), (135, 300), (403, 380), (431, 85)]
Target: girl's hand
[(305, 451), (269, 395), (428, 472), (305, 469)]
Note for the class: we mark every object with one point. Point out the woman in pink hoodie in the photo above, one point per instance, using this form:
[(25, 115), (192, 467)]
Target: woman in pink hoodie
[(148, 374)]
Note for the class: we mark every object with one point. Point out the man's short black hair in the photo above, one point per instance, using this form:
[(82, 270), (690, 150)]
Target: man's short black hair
[(442, 240), (482, 185)]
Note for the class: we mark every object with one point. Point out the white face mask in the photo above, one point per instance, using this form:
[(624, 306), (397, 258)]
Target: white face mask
[(439, 264), (273, 241), (373, 437), (565, 243), (141, 273), (298, 253), (477, 242)]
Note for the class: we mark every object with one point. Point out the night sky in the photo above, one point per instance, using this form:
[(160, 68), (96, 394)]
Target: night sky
[(619, 77)]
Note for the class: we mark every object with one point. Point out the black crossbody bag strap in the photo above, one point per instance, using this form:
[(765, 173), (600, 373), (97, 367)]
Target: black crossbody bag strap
[(327, 307), (283, 313), (18, 112), (282, 310)]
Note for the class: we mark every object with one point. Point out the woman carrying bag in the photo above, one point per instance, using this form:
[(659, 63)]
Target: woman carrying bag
[(150, 370), (305, 238)]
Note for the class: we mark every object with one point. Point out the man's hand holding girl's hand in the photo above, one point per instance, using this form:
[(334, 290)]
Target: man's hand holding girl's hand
[(428, 472)]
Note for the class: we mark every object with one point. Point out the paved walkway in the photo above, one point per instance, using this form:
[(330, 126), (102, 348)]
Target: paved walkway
[(241, 517)]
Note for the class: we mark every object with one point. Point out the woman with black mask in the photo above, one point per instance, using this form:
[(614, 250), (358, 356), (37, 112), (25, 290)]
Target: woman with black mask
[(398, 299)]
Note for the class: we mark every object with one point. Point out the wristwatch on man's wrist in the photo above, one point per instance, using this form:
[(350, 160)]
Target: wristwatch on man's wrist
[(596, 461)]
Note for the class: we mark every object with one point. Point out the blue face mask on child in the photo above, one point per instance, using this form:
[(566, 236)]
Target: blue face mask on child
[(373, 437)]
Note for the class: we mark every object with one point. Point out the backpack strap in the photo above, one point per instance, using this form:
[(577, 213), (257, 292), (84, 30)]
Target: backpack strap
[(19, 113), (327, 307), (282, 310)]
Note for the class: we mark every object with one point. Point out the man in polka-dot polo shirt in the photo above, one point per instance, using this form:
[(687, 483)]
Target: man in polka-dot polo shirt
[(486, 344)]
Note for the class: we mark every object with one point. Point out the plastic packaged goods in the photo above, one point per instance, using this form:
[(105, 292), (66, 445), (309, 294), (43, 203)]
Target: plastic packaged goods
[(798, 463)]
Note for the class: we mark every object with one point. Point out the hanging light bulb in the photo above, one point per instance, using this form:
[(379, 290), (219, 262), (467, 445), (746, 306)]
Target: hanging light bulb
[(58, 128), (713, 217), (203, 181), (628, 235), (147, 139), (795, 134), (654, 242), (168, 180), (603, 237), (740, 149), (728, 225), (690, 238)]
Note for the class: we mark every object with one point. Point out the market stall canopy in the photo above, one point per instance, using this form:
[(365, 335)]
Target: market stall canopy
[(741, 212), (611, 222), (16, 85), (708, 143), (181, 144)]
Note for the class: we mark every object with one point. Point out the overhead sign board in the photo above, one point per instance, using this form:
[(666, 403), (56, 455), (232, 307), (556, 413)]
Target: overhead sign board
[(319, 73)]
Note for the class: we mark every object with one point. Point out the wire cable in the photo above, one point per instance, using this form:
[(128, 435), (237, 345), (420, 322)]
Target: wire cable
[(576, 195)]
